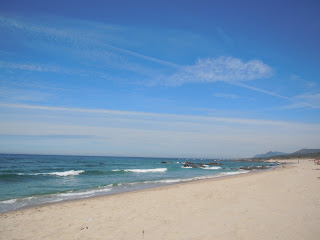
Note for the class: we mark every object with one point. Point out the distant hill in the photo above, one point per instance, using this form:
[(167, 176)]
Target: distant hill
[(306, 151), (270, 154), (302, 153)]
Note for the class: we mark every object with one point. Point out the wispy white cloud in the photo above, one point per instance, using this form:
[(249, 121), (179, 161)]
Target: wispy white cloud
[(82, 35), (23, 95), (89, 36), (297, 101), (224, 69), (230, 70), (305, 83), (145, 57), (295, 77), (33, 67), (36, 67), (152, 116), (311, 84), (313, 99), (84, 43), (141, 133), (307, 100)]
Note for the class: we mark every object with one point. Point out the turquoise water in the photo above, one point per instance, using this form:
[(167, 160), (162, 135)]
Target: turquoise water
[(27, 180)]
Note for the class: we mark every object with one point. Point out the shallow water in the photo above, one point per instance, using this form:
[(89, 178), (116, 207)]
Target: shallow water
[(27, 180)]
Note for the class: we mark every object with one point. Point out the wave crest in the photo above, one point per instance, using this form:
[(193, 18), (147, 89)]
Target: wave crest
[(61, 174), (146, 170), (67, 173), (211, 168)]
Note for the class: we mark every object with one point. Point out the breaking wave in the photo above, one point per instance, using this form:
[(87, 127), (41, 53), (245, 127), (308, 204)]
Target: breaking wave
[(61, 174), (154, 170), (211, 168)]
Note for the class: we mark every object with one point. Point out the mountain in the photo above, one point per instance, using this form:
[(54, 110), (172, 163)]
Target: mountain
[(269, 154), (306, 151), (313, 153)]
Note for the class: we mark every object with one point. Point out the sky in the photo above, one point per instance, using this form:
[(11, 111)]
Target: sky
[(213, 79)]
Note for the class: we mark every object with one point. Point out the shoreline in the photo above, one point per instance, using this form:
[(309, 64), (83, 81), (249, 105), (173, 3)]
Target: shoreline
[(282, 203), (210, 178), (40, 183)]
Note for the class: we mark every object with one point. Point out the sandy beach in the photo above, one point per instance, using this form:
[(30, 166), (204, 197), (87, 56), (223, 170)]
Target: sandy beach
[(280, 204)]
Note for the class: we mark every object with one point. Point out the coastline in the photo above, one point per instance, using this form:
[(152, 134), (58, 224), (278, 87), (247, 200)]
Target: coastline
[(280, 203), (43, 179), (164, 185)]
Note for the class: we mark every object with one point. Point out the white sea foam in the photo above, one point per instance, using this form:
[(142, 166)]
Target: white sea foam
[(62, 174), (9, 201), (85, 193), (146, 170), (103, 189), (116, 170), (208, 168), (28, 198), (181, 179), (194, 178), (203, 177), (18, 200), (71, 194), (67, 173), (56, 200), (169, 181), (186, 167), (198, 178), (55, 197), (234, 173)]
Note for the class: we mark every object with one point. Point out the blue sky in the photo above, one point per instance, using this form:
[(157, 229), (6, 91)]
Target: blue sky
[(166, 78)]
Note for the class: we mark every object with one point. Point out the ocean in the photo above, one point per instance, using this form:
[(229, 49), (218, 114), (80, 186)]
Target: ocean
[(28, 180)]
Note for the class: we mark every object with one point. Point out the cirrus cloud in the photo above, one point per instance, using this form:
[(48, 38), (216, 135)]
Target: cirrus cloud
[(224, 69)]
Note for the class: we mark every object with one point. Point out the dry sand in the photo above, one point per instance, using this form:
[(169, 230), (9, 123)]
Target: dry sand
[(280, 204)]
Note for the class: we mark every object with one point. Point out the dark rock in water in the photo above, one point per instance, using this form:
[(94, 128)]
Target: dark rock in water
[(254, 168), (166, 162), (213, 163), (191, 165), (246, 168), (200, 165)]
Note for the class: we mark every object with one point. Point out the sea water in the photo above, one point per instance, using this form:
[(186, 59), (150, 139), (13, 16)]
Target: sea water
[(28, 180)]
